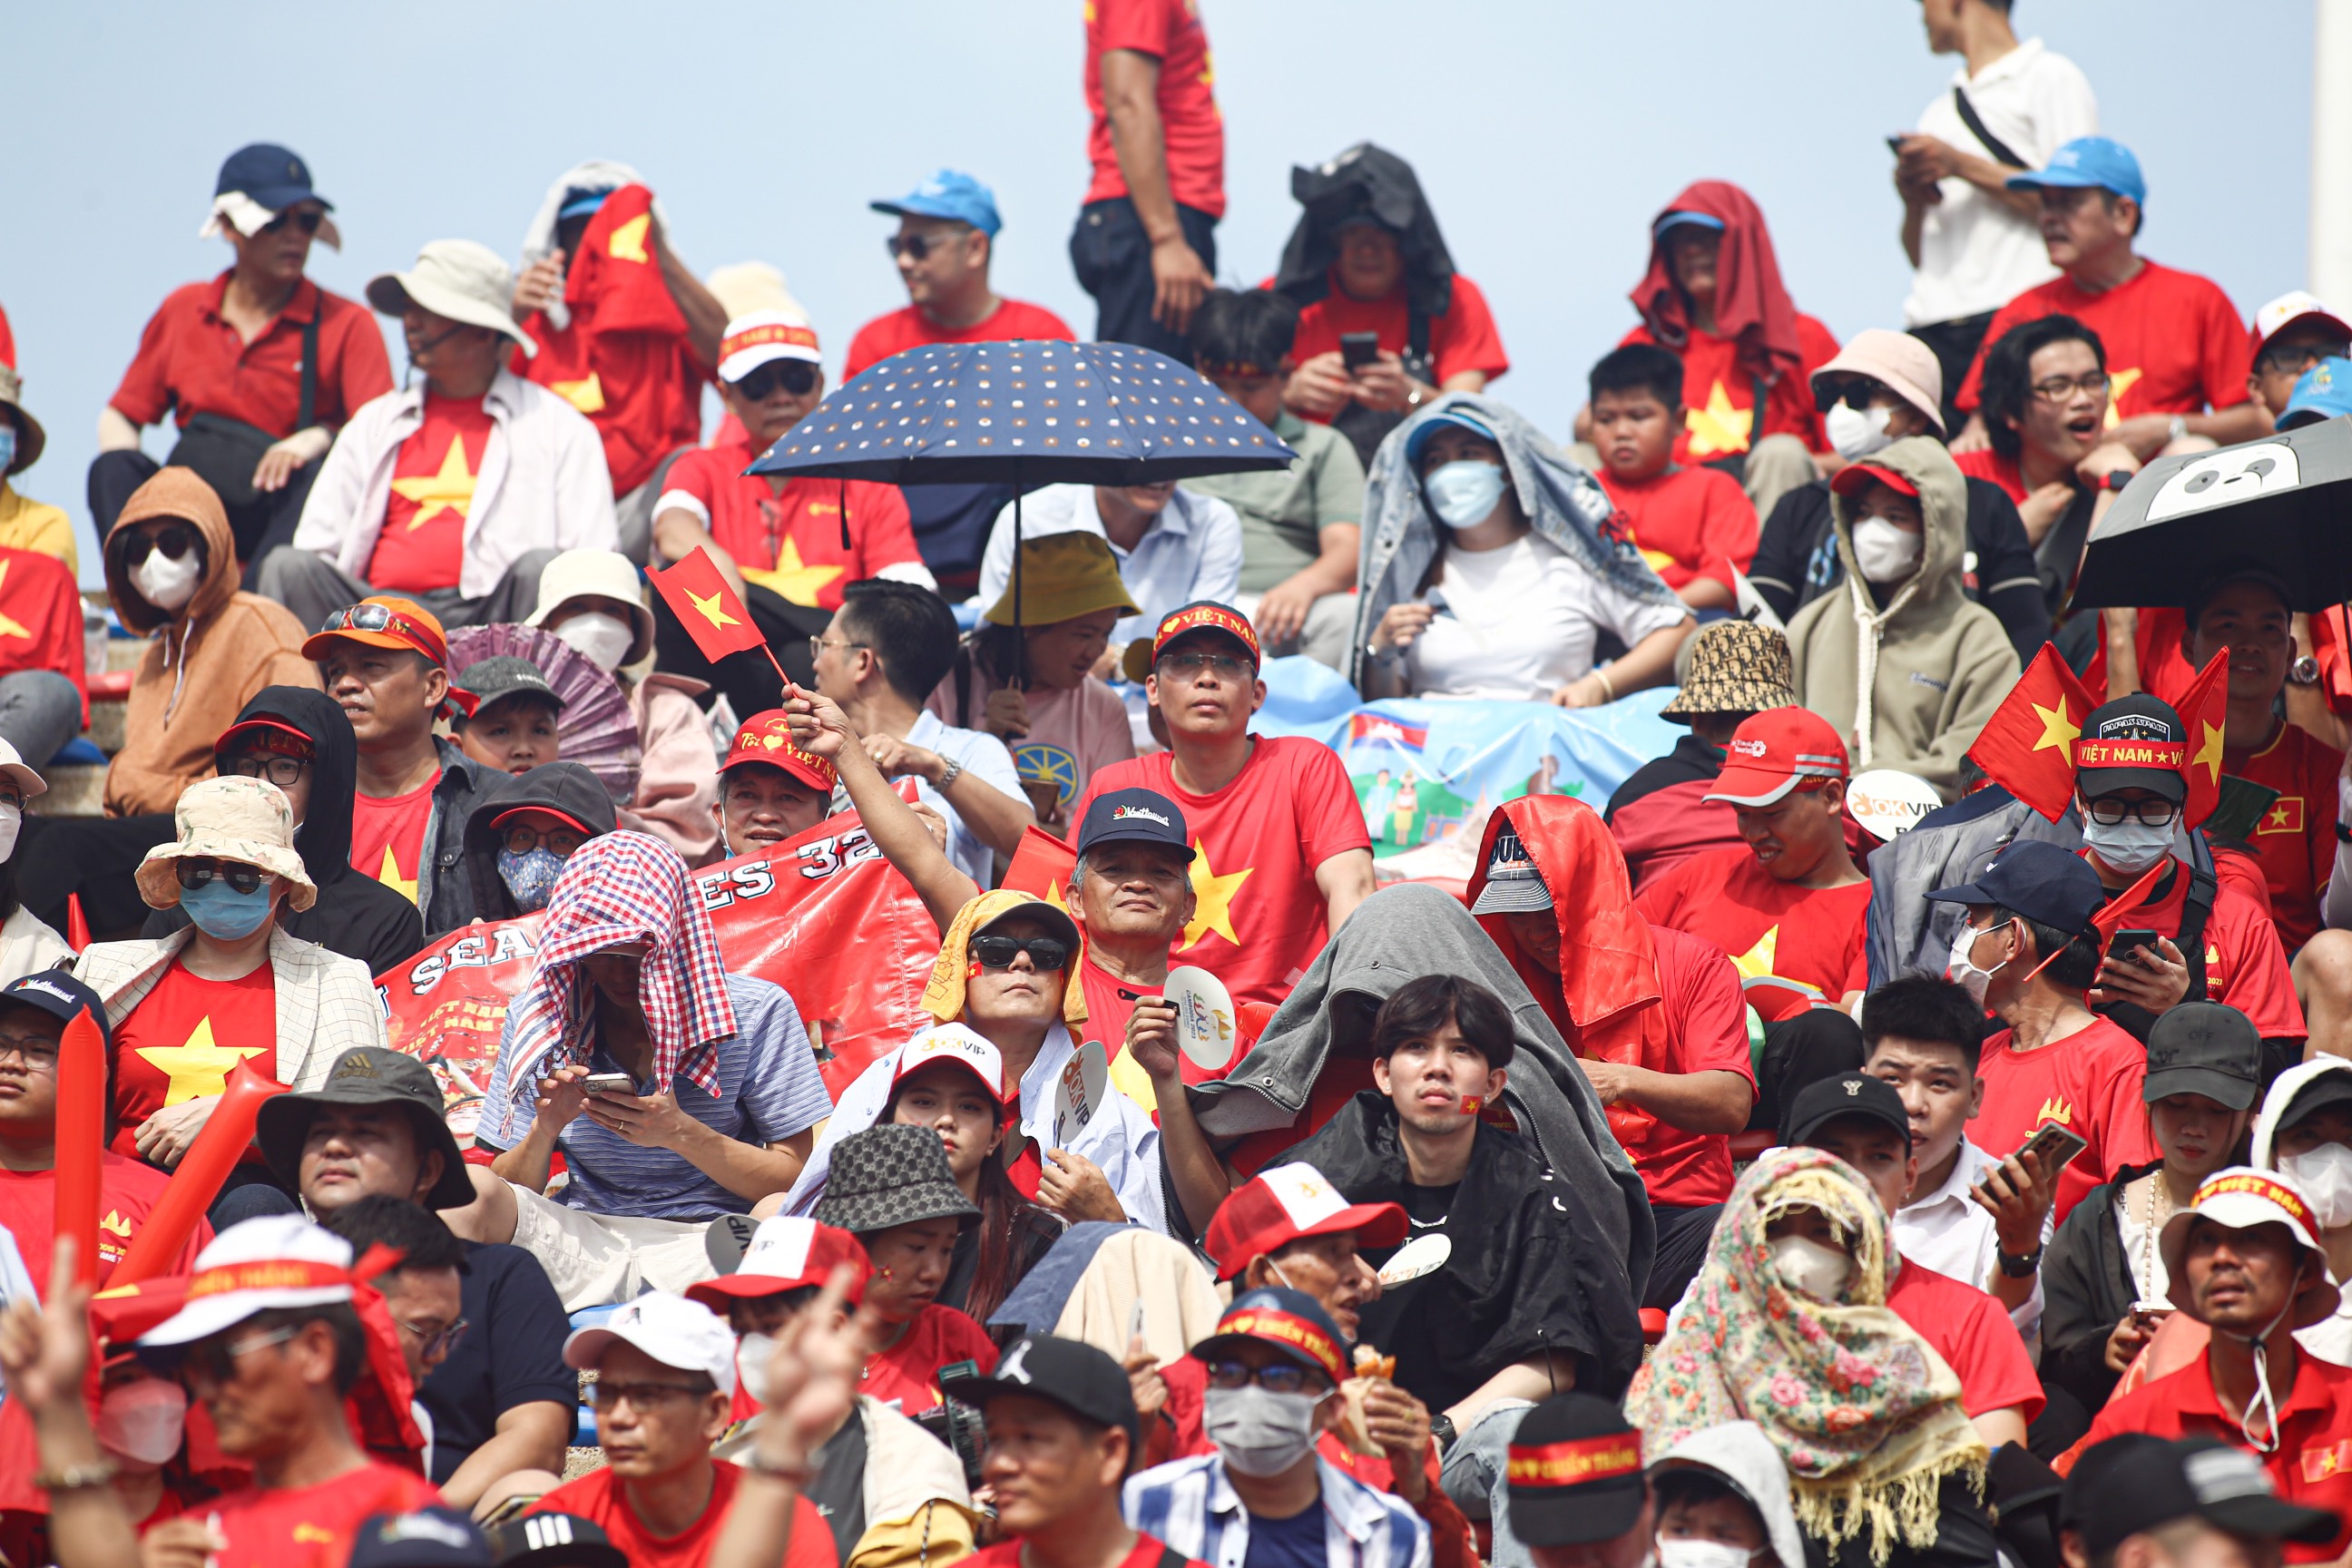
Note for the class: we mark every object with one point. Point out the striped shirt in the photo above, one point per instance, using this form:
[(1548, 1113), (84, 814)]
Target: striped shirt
[(769, 1089), (1190, 1505)]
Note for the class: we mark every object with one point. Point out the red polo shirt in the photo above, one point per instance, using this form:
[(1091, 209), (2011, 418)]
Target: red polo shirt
[(2313, 1462), (1013, 319), (191, 362)]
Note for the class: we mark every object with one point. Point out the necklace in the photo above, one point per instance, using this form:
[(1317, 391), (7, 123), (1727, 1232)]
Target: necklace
[(2155, 1183)]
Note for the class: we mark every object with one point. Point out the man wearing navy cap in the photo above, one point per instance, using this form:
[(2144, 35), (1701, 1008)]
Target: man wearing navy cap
[(1131, 892), (946, 240), (2175, 346)]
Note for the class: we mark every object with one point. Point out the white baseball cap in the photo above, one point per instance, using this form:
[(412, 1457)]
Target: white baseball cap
[(2240, 1198), (672, 1329), (751, 341), (2290, 308), (277, 1260), (956, 1043)]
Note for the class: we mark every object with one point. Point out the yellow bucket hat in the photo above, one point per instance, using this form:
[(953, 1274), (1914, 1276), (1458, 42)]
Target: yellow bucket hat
[(1064, 576), (943, 995)]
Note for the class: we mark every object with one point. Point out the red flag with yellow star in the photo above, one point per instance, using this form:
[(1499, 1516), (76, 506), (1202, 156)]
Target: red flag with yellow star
[(2028, 745), (1042, 866), (707, 608), (2204, 709)]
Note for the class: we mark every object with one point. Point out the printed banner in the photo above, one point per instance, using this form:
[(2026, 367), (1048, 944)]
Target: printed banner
[(821, 915)]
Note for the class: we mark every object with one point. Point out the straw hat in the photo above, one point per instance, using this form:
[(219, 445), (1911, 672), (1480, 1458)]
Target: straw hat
[(235, 818), (1064, 576)]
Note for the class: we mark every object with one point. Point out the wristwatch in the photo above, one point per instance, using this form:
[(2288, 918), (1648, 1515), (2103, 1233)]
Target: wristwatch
[(948, 774), (2116, 479), (2180, 427), (1441, 1426), (2303, 671), (2018, 1268)]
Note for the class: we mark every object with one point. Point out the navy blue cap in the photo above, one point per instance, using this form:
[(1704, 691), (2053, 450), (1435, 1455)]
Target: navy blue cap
[(427, 1538), (949, 194), (1291, 1321), (2100, 163), (1135, 815), (2323, 392), (270, 175), (60, 996), (2036, 878), (555, 1541), (582, 204)]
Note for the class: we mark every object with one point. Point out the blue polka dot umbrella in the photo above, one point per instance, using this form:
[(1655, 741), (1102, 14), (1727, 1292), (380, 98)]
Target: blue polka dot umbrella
[(1027, 413)]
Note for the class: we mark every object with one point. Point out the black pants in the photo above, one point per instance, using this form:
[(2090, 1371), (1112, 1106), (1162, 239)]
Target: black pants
[(1683, 1236), (747, 679), (1112, 257), (1956, 345), (96, 856), (1819, 1042), (267, 521)]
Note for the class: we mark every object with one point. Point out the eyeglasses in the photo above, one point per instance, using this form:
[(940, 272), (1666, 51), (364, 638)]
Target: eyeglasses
[(1855, 394), (2059, 388), (214, 1360), (917, 247), (383, 618), (200, 872), (174, 543), (817, 646), (283, 771), (439, 1341), (1190, 665), (1274, 1377), (640, 1396), (998, 952), (2110, 811), (796, 376), (307, 220), (39, 1052), (562, 840)]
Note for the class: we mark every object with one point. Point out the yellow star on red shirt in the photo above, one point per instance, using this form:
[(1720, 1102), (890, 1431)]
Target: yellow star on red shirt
[(1718, 428), (1757, 961), (452, 489), (389, 874), (790, 576), (1212, 908), (200, 1067)]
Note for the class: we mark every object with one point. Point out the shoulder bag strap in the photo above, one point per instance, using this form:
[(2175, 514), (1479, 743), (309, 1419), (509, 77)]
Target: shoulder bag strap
[(2002, 151), (311, 360)]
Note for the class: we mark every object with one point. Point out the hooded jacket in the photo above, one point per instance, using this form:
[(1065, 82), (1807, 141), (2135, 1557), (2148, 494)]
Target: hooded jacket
[(1365, 181), (1912, 681), (567, 787), (1751, 304), (1413, 930), (201, 664), (355, 915)]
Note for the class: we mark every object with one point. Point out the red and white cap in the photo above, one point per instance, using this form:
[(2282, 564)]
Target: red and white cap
[(278, 1260), (1775, 751), (2240, 1198), (956, 1043), (672, 1329), (1855, 478), (1280, 1205), (767, 737), (2290, 308), (751, 341), (786, 1253)]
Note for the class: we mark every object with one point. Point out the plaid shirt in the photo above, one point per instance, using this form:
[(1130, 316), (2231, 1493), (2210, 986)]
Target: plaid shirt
[(1190, 1505)]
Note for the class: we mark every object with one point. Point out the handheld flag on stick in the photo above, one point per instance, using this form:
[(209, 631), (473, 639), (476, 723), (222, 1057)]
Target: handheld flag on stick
[(2204, 709), (711, 612), (2028, 745)]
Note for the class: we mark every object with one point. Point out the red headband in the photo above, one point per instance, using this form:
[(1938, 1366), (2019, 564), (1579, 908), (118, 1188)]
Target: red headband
[(1576, 1462)]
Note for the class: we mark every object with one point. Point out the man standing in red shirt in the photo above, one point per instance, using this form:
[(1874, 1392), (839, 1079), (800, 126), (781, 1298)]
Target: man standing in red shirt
[(1145, 242), (946, 240), (1283, 858), (2175, 347)]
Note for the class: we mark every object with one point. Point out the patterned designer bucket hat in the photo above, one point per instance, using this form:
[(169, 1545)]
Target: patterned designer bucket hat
[(1734, 667), (891, 1174), (236, 818)]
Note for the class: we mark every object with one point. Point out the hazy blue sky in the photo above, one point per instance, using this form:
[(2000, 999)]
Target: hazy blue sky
[(1546, 133)]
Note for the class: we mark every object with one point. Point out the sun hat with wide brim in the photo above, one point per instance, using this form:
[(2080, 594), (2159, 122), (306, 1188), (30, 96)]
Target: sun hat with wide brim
[(30, 436), (1064, 576), (236, 818), (456, 279), (597, 575)]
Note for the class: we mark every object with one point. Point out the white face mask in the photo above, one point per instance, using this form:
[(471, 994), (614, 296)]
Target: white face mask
[(1961, 969), (1856, 433), (2324, 1177), (166, 583), (1885, 552), (752, 1354), (12, 820), (1810, 1268), (603, 640), (1463, 493), (1259, 1432), (142, 1420), (2131, 847), (1685, 1553)]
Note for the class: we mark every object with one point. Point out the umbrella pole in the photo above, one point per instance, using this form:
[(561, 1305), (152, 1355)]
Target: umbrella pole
[(1020, 628), (845, 514)]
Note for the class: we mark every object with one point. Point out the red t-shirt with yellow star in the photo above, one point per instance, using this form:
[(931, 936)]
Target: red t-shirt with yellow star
[(1687, 523), (423, 543), (127, 1192), (1258, 916), (2174, 343), (1767, 927), (2295, 839), (789, 539), (2090, 1083), (181, 1040), (1719, 397), (311, 1527), (388, 836)]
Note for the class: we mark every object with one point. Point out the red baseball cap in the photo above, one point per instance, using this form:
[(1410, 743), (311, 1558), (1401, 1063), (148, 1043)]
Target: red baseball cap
[(502, 818), (768, 738), (1851, 479), (786, 1253), (264, 734), (1775, 751), (1201, 615), (1279, 1205)]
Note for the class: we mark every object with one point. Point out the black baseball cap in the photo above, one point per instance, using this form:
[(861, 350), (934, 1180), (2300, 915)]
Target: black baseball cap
[(2046, 884), (2106, 760), (2152, 1484), (1140, 816), (503, 676), (427, 1538), (1575, 1472), (553, 1540), (1071, 1373), (63, 997), (2208, 1049), (1848, 1094), (2316, 1092), (366, 1075)]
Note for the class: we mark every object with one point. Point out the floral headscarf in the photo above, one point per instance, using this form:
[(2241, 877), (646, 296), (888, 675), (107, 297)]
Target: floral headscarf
[(1865, 1415)]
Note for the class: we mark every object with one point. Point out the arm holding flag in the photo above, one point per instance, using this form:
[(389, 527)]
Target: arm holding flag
[(820, 728)]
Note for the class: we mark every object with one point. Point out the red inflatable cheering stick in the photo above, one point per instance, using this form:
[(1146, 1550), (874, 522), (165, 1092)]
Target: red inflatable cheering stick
[(80, 1139), (227, 1135)]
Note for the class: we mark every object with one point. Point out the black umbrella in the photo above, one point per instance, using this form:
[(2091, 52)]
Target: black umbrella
[(1026, 413), (2283, 503)]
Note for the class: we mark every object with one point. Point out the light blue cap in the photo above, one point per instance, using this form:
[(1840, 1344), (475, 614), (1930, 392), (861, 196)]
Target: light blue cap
[(2098, 161), (1460, 418), (2323, 392), (1678, 217), (950, 194)]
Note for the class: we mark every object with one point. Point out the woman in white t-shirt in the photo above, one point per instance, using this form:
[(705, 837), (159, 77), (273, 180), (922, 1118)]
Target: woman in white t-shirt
[(1507, 606)]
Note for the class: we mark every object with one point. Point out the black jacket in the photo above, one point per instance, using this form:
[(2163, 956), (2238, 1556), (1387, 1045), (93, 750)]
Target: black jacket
[(1693, 760), (1365, 181), (1797, 561), (567, 787), (2086, 1290), (355, 915), (1531, 1269)]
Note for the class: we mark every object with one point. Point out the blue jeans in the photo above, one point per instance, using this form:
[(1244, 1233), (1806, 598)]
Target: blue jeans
[(1474, 1475)]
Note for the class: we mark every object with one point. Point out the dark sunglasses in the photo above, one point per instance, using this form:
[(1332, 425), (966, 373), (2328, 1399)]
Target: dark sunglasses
[(796, 376), (998, 952), (1855, 394), (306, 220), (915, 246), (1274, 1377), (241, 878), (174, 543)]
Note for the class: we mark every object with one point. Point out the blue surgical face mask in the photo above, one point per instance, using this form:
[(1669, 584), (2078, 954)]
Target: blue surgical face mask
[(532, 877), (220, 911), (1463, 493), (7, 445)]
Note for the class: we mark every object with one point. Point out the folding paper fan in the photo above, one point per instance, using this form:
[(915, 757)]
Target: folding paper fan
[(596, 728)]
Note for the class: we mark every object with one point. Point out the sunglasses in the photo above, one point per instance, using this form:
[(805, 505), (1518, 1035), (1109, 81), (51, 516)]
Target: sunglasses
[(999, 951), (174, 543), (214, 1360), (283, 771), (383, 618), (796, 376), (915, 246), (1275, 1377), (1855, 394), (200, 873), (563, 841), (306, 220)]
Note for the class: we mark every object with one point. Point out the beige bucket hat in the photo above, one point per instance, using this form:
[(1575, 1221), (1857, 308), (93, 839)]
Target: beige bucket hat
[(597, 575), (459, 280), (1898, 361), (236, 818)]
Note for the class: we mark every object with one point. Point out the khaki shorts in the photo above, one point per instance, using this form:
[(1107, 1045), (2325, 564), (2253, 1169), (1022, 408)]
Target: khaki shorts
[(597, 1260)]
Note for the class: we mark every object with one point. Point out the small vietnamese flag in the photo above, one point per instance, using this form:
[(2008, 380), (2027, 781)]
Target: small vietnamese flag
[(1042, 866), (2204, 709), (707, 608), (2028, 745)]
